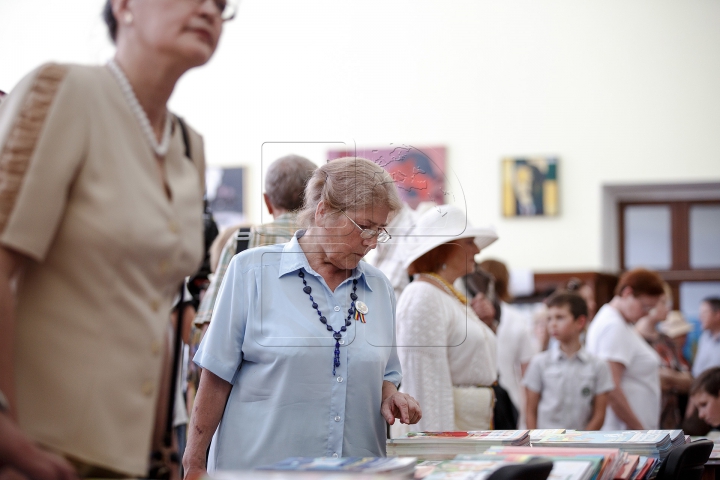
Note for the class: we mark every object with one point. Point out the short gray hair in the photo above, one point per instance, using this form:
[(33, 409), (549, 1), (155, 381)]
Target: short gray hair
[(349, 183), (286, 179)]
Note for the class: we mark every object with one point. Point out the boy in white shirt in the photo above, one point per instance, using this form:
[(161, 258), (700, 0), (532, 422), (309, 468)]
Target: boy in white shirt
[(566, 387)]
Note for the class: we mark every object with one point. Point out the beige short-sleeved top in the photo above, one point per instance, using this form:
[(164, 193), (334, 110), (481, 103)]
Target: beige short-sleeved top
[(80, 195)]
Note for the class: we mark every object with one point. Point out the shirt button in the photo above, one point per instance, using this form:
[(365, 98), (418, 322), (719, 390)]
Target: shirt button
[(335, 455), (337, 309), (337, 418), (155, 305), (155, 347), (339, 379), (147, 388), (173, 226)]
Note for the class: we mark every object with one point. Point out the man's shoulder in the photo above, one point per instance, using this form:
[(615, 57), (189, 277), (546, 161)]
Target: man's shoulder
[(279, 231)]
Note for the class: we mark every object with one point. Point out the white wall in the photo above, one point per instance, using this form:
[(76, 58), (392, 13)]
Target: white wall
[(622, 92)]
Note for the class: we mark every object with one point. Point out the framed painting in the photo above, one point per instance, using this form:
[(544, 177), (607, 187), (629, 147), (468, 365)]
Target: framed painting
[(225, 195), (530, 186), (419, 174)]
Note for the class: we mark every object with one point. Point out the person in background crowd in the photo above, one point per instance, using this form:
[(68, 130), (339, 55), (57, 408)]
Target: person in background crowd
[(514, 339), (218, 244), (705, 395), (389, 257), (708, 350), (285, 183), (479, 288), (540, 329), (447, 353), (586, 292), (634, 404), (102, 219), (677, 329), (675, 377), (271, 386), (566, 386), (706, 357)]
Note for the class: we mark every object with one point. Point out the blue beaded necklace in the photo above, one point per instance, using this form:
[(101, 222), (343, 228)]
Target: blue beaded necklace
[(337, 335)]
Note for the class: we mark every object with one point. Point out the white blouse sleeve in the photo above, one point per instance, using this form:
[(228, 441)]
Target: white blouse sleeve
[(423, 336)]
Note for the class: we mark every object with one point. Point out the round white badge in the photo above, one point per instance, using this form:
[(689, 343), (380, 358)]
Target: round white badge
[(361, 307)]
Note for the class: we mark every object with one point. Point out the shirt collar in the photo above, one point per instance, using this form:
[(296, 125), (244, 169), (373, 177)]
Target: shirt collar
[(294, 259), (287, 217), (558, 354)]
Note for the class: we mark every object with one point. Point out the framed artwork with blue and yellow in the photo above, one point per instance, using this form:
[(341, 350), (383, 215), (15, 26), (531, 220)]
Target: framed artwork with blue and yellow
[(530, 186)]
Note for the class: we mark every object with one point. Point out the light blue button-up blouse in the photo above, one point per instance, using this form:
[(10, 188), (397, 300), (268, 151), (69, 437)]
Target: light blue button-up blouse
[(266, 339)]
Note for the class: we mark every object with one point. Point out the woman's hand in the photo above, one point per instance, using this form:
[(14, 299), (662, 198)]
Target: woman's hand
[(20, 458), (483, 308), (399, 405)]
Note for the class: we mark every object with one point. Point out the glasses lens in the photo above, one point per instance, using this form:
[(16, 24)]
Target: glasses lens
[(367, 233), (383, 236)]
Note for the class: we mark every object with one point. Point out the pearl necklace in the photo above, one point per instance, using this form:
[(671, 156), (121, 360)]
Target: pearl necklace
[(452, 291), (161, 148)]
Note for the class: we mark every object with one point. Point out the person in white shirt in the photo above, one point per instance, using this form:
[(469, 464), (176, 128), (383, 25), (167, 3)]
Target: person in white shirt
[(566, 386), (634, 404)]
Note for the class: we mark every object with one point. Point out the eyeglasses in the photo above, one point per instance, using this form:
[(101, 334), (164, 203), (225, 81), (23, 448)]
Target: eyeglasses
[(382, 234), (644, 306), (227, 8)]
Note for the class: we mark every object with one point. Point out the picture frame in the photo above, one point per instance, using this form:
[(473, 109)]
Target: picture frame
[(530, 186)]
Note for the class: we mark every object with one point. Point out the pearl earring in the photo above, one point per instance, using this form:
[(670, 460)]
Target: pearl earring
[(128, 18), (444, 266)]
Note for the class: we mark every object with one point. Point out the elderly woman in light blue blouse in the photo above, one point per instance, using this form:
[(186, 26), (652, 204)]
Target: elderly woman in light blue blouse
[(302, 341)]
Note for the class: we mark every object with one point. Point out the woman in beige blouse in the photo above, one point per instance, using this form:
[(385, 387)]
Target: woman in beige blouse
[(100, 220)]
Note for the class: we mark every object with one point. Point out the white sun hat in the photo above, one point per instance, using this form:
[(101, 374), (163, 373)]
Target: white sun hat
[(443, 224)]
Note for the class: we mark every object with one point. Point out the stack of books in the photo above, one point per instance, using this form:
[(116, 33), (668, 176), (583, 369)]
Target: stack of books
[(606, 463), (446, 445), (479, 467), (677, 437), (540, 433), (649, 443), (355, 465), (646, 466)]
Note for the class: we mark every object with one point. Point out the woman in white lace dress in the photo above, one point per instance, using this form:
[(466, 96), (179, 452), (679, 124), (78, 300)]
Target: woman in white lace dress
[(448, 355)]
